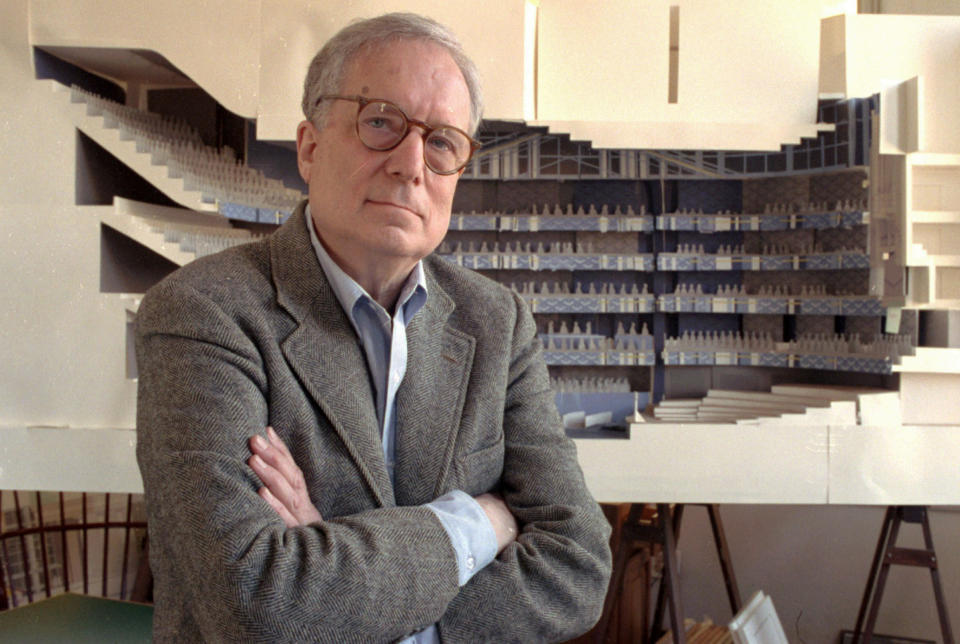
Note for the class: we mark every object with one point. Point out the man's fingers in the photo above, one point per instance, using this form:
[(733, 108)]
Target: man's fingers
[(284, 486), (278, 507), (273, 479), (276, 455), (277, 442)]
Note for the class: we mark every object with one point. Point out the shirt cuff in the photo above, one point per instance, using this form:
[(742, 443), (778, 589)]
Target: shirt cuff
[(469, 529)]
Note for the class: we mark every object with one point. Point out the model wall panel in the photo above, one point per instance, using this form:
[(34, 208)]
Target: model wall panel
[(794, 241), (611, 192), (836, 239), (710, 196), (759, 193), (866, 327), (47, 65), (709, 281), (521, 196), (936, 187), (834, 187), (711, 243), (882, 48), (620, 73), (200, 39), (63, 346), (292, 32), (274, 161), (624, 243), (771, 325), (469, 197), (948, 282), (818, 324), (847, 281)]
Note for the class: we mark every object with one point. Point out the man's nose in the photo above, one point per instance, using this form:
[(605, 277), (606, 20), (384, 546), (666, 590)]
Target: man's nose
[(406, 160)]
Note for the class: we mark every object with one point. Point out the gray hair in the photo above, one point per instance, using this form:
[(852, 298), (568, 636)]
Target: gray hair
[(328, 67)]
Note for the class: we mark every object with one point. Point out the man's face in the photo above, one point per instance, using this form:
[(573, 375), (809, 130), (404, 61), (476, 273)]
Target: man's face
[(384, 206)]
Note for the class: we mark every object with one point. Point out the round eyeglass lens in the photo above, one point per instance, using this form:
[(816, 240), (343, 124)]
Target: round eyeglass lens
[(381, 125), (446, 149)]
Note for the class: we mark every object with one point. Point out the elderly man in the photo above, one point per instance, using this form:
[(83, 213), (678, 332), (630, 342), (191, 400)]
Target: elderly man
[(413, 480)]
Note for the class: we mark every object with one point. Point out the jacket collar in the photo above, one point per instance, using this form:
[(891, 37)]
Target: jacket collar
[(324, 346)]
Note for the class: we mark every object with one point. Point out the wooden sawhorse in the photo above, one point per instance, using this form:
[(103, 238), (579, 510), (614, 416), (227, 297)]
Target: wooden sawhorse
[(663, 528), (888, 554)]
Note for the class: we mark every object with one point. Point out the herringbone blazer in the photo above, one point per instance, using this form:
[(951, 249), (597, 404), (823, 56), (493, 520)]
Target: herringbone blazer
[(255, 336)]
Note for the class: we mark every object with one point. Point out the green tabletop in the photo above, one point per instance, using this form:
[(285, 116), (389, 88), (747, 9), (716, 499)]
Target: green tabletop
[(77, 618)]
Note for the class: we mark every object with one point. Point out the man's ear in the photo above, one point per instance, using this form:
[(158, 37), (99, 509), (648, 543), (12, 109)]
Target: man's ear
[(307, 141)]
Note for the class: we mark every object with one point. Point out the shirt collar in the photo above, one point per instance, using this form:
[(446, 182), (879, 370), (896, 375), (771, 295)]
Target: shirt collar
[(349, 293)]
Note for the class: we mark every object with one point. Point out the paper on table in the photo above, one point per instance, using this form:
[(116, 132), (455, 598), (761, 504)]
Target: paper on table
[(757, 622)]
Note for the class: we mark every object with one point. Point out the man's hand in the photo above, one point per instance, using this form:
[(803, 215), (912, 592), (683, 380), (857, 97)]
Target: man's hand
[(284, 488), (503, 521)]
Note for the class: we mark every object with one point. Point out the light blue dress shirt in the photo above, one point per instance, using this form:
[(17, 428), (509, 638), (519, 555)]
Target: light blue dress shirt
[(384, 340)]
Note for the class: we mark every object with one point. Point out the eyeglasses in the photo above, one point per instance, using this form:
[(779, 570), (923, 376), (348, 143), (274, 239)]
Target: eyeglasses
[(381, 125)]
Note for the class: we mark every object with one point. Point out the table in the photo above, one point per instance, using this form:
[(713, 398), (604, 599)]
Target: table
[(77, 618)]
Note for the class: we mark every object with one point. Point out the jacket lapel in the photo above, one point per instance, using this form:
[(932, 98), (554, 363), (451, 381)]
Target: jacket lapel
[(325, 354), (430, 399)]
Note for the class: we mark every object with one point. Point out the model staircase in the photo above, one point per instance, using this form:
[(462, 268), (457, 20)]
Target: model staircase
[(177, 235)]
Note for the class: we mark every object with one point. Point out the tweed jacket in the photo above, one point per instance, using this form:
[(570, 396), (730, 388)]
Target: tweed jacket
[(255, 336)]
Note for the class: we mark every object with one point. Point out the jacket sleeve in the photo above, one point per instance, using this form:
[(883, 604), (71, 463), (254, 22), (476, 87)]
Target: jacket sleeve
[(226, 561), (550, 584)]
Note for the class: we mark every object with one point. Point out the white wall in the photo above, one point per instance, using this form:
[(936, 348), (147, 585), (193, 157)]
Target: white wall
[(929, 7), (747, 72), (63, 343), (877, 51), (294, 31), (214, 42), (813, 561), (251, 55)]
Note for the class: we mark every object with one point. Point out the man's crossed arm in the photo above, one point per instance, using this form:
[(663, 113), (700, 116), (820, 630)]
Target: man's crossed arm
[(285, 490)]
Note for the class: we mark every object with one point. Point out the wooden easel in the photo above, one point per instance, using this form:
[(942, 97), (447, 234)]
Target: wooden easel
[(888, 554), (663, 527)]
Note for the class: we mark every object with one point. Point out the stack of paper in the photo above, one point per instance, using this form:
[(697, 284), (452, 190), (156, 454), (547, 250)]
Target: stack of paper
[(757, 622)]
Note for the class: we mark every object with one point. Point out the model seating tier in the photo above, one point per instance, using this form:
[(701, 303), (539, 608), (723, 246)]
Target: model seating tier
[(773, 300), (787, 404), (595, 402), (557, 219), (833, 352), (221, 179), (689, 257), (812, 216), (179, 235), (563, 256), (578, 346), (547, 297)]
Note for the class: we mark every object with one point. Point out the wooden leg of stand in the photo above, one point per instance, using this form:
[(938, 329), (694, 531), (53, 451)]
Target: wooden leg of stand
[(3, 591), (677, 518), (614, 591), (945, 629), (633, 605), (656, 626), (644, 612), (726, 564), (671, 572), (889, 554), (882, 578), (872, 577)]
